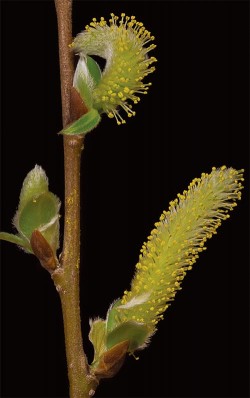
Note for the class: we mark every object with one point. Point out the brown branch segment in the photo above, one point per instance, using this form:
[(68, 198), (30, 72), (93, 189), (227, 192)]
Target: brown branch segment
[(66, 277), (64, 21)]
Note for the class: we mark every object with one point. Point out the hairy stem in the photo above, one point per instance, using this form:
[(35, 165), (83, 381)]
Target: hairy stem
[(66, 277)]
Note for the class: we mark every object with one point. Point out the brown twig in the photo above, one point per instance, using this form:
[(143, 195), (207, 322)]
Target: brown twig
[(64, 21), (66, 277)]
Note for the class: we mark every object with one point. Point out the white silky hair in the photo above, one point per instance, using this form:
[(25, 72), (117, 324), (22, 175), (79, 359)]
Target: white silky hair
[(137, 300), (82, 70)]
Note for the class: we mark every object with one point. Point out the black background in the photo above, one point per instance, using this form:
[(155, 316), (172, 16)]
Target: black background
[(194, 117)]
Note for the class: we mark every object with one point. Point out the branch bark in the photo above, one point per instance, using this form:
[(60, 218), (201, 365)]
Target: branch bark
[(64, 22), (66, 277)]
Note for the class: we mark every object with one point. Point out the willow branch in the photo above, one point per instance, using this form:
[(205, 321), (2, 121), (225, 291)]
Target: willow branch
[(64, 20), (66, 277)]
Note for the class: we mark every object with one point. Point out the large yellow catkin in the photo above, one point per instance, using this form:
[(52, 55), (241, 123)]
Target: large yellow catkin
[(176, 242)]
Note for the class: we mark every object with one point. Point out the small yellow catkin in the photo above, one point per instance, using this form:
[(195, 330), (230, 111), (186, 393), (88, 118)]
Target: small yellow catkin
[(124, 44), (176, 242)]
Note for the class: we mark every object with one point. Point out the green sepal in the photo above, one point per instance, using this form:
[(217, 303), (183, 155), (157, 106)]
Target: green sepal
[(97, 336), (84, 124), (16, 239), (37, 213), (134, 332)]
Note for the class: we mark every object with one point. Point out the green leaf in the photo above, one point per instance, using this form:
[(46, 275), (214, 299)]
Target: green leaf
[(135, 333), (16, 239), (39, 213), (84, 90), (35, 184), (51, 233), (94, 70), (97, 336), (111, 316), (84, 124), (87, 76)]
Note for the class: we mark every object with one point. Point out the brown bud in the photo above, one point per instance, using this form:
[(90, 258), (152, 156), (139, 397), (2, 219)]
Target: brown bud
[(77, 106), (43, 251), (112, 360)]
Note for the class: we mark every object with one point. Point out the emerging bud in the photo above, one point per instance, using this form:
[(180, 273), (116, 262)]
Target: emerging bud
[(38, 210)]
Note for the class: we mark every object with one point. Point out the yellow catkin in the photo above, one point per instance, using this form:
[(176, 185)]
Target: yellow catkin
[(124, 43), (176, 242)]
